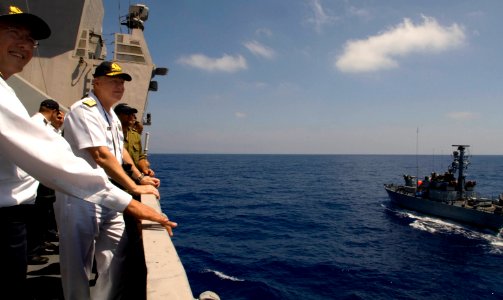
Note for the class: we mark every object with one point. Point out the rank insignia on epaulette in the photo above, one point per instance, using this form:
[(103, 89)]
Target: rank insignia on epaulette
[(89, 102)]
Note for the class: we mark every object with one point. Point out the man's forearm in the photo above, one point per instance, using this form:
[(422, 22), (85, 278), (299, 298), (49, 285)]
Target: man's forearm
[(142, 212), (136, 172), (105, 159), (143, 165)]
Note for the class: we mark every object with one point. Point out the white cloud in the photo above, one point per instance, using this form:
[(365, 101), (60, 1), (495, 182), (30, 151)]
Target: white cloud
[(240, 115), (263, 32), (380, 51), (320, 18), (226, 63), (261, 85), (462, 115), (476, 14), (359, 12), (260, 50), (257, 85)]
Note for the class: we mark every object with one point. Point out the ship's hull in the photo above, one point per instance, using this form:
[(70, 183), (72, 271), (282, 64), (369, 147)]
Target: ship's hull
[(454, 212)]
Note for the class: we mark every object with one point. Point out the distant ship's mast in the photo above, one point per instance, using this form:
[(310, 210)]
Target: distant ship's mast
[(135, 21), (460, 163)]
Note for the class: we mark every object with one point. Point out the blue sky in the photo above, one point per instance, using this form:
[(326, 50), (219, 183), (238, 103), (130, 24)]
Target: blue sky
[(324, 77)]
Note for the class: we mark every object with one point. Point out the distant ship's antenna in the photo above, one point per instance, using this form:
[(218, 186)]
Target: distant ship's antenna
[(433, 160), (119, 15), (417, 153)]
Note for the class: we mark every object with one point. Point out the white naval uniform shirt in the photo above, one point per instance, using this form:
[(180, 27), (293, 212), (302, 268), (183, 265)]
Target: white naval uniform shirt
[(26, 148), (40, 120), (89, 125)]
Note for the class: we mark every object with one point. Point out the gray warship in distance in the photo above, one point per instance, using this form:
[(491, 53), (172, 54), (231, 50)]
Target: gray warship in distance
[(448, 196)]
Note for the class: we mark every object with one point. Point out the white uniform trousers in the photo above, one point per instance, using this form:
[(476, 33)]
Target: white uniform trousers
[(88, 230)]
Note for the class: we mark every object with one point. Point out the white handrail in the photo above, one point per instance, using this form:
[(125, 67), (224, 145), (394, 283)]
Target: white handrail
[(166, 277)]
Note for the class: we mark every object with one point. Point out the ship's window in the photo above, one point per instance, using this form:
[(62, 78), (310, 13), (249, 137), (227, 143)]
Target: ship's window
[(82, 44), (129, 49), (80, 52), (95, 45), (90, 45), (127, 57)]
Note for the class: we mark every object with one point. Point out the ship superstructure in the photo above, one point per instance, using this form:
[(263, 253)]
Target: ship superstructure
[(448, 196), (62, 66)]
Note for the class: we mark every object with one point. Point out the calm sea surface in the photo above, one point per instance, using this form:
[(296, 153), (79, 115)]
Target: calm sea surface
[(321, 227)]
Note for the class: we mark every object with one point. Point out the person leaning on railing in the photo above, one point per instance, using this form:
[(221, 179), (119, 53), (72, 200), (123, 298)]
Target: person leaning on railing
[(131, 129), (29, 153)]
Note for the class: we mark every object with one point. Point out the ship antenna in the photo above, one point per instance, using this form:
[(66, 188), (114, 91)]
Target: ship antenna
[(417, 159), (119, 14)]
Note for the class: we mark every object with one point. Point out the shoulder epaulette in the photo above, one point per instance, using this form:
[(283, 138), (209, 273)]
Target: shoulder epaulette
[(89, 102)]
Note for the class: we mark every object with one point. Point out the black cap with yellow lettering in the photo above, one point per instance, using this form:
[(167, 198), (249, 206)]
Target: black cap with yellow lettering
[(13, 14), (111, 69)]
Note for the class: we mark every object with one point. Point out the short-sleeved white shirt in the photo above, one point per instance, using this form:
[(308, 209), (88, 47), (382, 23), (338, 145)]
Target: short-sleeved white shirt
[(40, 120), (28, 148), (87, 124)]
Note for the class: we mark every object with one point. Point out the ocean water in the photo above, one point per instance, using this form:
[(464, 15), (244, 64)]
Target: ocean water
[(322, 227)]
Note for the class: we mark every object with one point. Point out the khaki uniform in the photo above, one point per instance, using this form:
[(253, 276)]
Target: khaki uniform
[(132, 143)]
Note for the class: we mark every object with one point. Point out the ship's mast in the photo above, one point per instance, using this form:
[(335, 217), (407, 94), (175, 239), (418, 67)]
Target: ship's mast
[(135, 22), (460, 160)]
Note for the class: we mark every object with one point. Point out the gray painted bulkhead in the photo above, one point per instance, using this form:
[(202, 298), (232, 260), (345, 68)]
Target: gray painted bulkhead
[(63, 64)]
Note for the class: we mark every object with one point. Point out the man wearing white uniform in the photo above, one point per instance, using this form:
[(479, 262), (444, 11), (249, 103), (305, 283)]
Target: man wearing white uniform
[(42, 212), (26, 148), (47, 114), (87, 230)]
